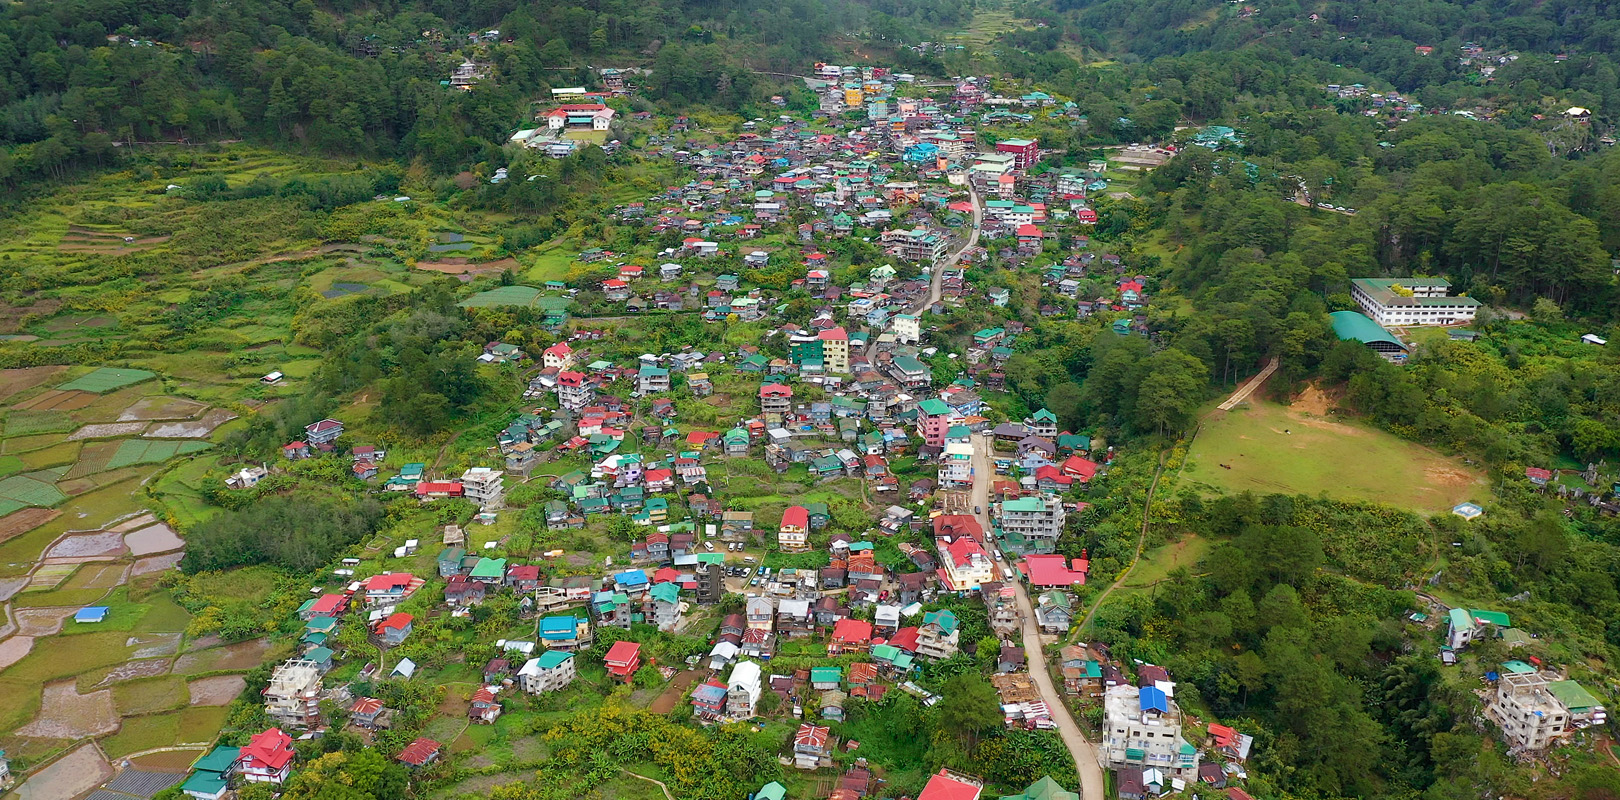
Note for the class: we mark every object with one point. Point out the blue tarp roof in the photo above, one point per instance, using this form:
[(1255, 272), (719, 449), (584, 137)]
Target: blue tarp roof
[(1153, 699), (91, 614)]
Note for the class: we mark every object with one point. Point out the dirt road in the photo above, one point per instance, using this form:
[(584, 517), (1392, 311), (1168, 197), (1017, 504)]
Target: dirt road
[(1081, 750), (1250, 385)]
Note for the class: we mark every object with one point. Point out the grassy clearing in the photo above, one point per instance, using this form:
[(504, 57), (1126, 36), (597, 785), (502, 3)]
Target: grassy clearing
[(1265, 448), (1161, 561)]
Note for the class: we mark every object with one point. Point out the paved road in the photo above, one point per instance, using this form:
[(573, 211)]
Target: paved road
[(1083, 751), (936, 286)]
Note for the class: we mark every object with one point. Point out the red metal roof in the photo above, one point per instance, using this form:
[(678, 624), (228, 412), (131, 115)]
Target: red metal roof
[(945, 787), (419, 752)]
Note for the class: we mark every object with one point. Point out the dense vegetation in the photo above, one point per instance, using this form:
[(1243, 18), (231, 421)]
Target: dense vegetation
[(298, 532), (1295, 628)]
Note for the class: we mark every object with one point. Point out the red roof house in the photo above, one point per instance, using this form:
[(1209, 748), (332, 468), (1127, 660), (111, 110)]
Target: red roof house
[(947, 786), (419, 753), (623, 659)]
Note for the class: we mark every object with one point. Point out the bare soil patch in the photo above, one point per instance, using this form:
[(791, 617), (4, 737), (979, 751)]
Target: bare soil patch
[(198, 429), (172, 761), (159, 407), (13, 649), (42, 621), (216, 691), (1312, 401), (104, 430), (9, 587), (13, 381), (66, 714), (130, 670), (74, 774), (159, 538), (665, 702), (241, 655), (102, 543), (154, 645), (147, 566), (18, 523)]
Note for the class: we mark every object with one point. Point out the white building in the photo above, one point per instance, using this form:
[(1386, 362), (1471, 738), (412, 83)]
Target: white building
[(1405, 302), (907, 329), (548, 673), (1032, 524), (956, 464), (742, 690), (966, 564), (484, 486), (1144, 730)]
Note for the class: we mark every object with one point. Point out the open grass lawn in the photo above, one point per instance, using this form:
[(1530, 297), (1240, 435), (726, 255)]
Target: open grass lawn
[(1265, 448)]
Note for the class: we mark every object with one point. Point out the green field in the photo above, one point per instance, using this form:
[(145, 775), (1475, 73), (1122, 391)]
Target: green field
[(1264, 448), (522, 296), (106, 379)]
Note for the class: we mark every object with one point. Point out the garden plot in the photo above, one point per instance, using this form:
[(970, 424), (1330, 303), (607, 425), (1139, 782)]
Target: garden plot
[(47, 576), (191, 430), (219, 690), (72, 775), (161, 407), (57, 400), (66, 714), (21, 522), (15, 381), (29, 422), (159, 538), (32, 489), (139, 451), (107, 430), (521, 296), (106, 379)]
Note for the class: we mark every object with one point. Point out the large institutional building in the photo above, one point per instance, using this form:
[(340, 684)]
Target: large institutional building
[(1402, 302)]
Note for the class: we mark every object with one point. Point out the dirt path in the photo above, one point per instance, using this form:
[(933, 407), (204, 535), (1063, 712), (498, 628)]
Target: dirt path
[(1141, 538), (1249, 386), (667, 795), (1084, 753)]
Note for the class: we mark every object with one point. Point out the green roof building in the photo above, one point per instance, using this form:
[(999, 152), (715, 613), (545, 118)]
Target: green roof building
[(1356, 326), (1044, 789)]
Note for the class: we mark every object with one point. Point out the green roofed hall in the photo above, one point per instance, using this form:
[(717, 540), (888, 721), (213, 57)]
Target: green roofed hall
[(1356, 326)]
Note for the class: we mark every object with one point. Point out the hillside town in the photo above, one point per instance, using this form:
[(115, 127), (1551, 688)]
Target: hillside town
[(917, 503)]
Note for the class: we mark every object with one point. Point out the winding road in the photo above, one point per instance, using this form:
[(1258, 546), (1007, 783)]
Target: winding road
[(936, 284), (1081, 750)]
